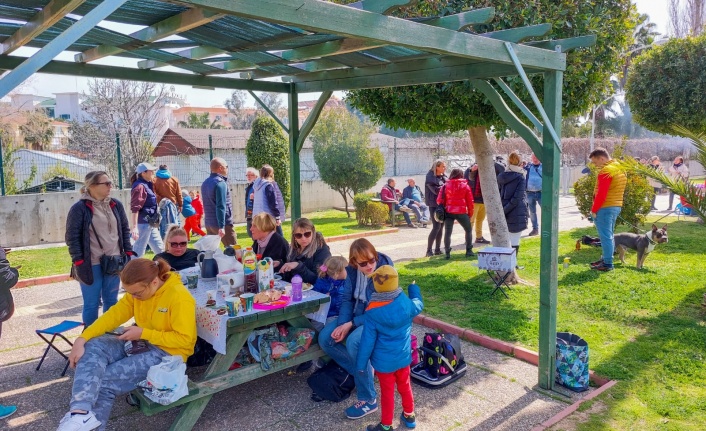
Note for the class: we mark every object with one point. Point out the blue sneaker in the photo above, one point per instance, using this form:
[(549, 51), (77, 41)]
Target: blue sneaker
[(7, 411), (409, 421), (360, 409)]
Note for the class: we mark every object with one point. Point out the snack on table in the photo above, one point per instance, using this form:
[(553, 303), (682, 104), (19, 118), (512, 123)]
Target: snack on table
[(267, 296)]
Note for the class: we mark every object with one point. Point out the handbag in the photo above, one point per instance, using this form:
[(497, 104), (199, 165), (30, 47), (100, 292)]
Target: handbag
[(111, 265), (155, 219)]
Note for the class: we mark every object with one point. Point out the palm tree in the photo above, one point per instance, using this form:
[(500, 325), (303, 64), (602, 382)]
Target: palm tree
[(199, 121)]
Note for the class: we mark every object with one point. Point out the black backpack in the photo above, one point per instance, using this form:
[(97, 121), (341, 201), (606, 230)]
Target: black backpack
[(441, 361), (331, 383)]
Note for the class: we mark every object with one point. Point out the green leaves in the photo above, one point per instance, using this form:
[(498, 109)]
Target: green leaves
[(267, 145)]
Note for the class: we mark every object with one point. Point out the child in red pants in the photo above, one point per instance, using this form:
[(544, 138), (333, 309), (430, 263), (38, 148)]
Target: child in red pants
[(386, 342), (192, 211)]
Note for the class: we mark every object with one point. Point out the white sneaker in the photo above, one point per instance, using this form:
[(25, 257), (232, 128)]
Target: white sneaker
[(78, 422), (405, 208)]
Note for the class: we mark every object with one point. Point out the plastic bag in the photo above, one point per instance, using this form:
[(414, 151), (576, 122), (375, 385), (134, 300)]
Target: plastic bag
[(227, 263), (208, 243), (167, 381)]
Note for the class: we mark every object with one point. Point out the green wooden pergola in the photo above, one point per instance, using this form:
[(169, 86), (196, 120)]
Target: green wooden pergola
[(310, 46)]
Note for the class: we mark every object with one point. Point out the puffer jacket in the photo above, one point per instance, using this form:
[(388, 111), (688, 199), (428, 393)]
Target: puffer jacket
[(387, 332), (456, 197), (187, 210), (8, 278), (514, 200), (77, 237), (352, 309)]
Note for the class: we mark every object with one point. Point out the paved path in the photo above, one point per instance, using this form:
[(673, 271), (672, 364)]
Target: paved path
[(498, 393)]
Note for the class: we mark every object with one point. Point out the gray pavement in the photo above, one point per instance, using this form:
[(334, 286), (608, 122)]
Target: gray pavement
[(497, 393)]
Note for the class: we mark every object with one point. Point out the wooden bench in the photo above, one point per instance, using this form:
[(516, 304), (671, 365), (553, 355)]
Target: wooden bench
[(218, 378), (394, 214)]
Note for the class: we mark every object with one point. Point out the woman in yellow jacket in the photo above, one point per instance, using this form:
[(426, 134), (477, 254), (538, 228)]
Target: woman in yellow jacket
[(165, 318)]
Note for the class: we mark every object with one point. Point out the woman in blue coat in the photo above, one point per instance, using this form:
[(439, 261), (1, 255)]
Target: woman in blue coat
[(514, 199), (357, 291)]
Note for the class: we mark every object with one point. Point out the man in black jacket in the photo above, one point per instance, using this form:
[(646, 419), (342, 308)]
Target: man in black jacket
[(8, 278)]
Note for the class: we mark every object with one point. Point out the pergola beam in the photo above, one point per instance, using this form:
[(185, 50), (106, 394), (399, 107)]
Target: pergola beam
[(381, 6), (112, 72), (41, 21), (197, 53), (516, 100), (311, 120), (174, 24), (322, 16), (566, 44), (269, 111), (517, 35), (463, 20)]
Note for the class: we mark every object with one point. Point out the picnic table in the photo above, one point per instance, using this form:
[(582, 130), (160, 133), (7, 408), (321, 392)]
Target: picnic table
[(237, 329)]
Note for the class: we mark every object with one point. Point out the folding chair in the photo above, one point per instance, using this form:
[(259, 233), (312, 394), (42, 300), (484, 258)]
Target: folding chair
[(54, 331)]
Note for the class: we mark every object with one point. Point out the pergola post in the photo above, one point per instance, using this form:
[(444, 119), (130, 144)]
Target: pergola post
[(548, 276), (294, 164)]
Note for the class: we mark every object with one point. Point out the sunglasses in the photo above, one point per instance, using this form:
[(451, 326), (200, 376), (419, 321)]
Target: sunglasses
[(178, 244), (106, 183), (365, 263), (300, 235)]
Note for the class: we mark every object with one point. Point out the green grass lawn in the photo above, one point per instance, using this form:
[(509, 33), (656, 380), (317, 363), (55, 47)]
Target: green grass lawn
[(646, 328), (55, 260)]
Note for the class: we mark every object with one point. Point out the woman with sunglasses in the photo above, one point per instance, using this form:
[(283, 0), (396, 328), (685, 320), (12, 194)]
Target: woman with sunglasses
[(267, 242), (307, 252), (112, 362), (95, 226), (363, 261), (177, 254)]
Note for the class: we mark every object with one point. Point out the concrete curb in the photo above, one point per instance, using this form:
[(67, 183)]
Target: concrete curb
[(520, 353), (29, 282)]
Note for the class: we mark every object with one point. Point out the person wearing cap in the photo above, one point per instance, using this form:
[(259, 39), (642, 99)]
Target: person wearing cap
[(387, 335), (413, 197), (143, 204), (217, 203)]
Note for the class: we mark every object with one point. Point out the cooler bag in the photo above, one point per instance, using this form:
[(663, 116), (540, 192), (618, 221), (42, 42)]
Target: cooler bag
[(571, 361)]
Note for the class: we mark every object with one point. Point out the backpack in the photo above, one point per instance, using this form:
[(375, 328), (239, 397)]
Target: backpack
[(441, 361), (572, 362), (331, 383), (203, 354)]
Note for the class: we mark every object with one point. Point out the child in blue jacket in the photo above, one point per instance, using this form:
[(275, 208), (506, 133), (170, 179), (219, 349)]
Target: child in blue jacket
[(386, 343), (332, 276)]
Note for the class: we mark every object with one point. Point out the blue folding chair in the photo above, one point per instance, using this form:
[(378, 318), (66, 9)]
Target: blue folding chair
[(57, 331)]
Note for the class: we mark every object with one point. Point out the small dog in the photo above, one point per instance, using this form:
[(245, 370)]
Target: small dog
[(642, 243)]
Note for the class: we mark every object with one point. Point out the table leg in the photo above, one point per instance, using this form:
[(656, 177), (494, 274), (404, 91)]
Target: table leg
[(191, 412)]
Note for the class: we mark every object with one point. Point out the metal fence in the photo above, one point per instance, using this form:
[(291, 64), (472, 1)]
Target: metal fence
[(187, 155)]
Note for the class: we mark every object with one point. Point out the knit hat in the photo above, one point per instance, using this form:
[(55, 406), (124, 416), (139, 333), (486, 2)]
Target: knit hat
[(385, 279)]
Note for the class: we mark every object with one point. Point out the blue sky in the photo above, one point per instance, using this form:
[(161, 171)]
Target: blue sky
[(46, 85)]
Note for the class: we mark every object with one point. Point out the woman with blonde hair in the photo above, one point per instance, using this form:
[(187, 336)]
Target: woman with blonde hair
[(108, 365), (176, 252), (267, 197), (267, 242), (97, 231), (307, 252), (514, 199)]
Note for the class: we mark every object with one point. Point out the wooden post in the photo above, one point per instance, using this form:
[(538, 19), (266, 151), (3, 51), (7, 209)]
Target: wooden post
[(294, 166), (550, 158)]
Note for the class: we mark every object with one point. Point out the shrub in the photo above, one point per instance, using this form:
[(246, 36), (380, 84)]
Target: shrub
[(637, 200), (360, 202), (267, 145), (378, 213), (368, 212)]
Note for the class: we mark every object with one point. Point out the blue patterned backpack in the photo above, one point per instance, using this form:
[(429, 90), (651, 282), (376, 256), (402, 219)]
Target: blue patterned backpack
[(571, 361)]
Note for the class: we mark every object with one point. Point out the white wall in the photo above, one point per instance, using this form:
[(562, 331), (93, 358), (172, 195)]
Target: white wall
[(41, 218)]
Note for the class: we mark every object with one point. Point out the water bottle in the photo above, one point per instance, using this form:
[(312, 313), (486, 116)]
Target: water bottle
[(250, 270), (567, 260), (296, 288)]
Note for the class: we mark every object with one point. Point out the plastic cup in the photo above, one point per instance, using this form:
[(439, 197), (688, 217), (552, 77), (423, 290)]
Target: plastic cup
[(232, 305), (249, 298), (192, 281)]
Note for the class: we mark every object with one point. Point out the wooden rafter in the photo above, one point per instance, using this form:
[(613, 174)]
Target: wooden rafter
[(175, 24), (41, 21)]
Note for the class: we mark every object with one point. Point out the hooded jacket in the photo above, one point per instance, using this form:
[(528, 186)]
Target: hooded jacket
[(188, 209), (433, 184), (387, 332), (514, 200), (166, 186), (456, 197), (352, 310)]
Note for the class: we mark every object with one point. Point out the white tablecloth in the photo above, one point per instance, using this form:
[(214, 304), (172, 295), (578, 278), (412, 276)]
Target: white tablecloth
[(213, 327)]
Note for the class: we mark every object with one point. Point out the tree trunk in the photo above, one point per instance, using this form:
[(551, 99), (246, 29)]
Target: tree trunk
[(499, 234), (345, 202)]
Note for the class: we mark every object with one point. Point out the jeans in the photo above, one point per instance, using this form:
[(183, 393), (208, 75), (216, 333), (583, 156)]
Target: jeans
[(534, 199), (346, 355), (104, 287), (387, 393), (147, 234), (421, 211), (671, 199), (106, 371), (605, 224), (465, 222), (435, 235)]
